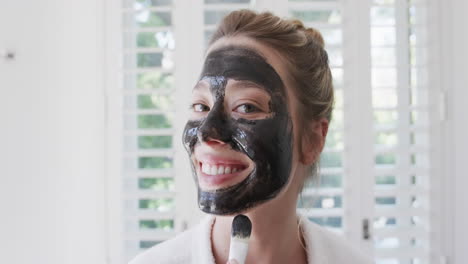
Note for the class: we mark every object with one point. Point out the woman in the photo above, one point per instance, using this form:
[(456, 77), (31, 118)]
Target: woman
[(260, 115)]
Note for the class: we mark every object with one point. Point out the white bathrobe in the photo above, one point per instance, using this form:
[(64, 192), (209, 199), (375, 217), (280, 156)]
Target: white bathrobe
[(194, 247)]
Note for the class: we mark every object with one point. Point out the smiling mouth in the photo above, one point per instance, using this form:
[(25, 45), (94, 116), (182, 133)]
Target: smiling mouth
[(220, 169), (219, 175)]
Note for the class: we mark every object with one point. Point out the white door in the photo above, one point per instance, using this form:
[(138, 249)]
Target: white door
[(51, 122)]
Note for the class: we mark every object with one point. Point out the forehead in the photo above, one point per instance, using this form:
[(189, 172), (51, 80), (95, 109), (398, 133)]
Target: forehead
[(273, 57), (242, 64)]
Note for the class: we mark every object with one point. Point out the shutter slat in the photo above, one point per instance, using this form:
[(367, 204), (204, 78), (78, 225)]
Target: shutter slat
[(225, 6), (149, 132), (146, 29), (321, 212)]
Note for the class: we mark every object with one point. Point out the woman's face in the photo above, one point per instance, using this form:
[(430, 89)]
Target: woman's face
[(240, 133)]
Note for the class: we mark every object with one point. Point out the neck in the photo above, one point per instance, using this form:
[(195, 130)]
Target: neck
[(275, 234)]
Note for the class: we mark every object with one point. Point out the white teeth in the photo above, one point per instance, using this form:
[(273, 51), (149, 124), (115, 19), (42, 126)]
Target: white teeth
[(205, 168), (217, 170), (214, 170), (221, 170)]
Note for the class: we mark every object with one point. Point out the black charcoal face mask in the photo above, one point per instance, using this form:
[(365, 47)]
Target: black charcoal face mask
[(267, 142)]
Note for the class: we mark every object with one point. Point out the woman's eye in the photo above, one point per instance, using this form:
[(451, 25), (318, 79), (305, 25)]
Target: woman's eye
[(246, 109), (200, 108)]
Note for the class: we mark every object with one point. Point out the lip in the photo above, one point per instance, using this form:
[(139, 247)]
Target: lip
[(212, 182)]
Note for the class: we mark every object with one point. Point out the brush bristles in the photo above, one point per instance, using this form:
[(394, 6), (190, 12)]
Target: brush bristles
[(241, 227)]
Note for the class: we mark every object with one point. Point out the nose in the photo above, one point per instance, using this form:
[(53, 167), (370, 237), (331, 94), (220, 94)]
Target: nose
[(215, 129), (212, 141), (211, 137)]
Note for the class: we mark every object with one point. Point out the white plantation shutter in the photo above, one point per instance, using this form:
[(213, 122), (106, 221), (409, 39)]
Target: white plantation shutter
[(401, 131), (375, 165), (399, 220), (148, 124)]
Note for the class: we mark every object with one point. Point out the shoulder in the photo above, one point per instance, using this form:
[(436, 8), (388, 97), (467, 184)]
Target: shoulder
[(325, 246), (184, 248), (172, 251)]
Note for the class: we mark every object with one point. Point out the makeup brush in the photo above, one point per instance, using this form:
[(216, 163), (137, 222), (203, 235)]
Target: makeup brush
[(240, 235)]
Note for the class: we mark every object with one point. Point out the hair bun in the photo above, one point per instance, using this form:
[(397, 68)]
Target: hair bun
[(316, 35), (311, 33), (297, 24)]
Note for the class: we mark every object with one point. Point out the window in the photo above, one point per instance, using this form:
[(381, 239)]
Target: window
[(401, 139), (148, 124), (375, 166)]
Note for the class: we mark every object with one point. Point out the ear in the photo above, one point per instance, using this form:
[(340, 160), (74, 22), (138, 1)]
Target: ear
[(313, 140)]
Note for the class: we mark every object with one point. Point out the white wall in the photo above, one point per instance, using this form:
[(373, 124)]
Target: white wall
[(52, 207), (458, 103), (454, 78)]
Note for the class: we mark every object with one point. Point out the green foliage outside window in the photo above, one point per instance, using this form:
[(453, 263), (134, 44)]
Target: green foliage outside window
[(386, 139), (386, 179), (161, 205), (155, 163), (149, 60), (144, 244), (385, 200), (154, 121), (152, 3), (335, 222), (385, 117), (331, 181), (153, 142), (331, 160), (325, 16), (385, 159), (317, 202), (166, 225), (159, 102), (156, 184)]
